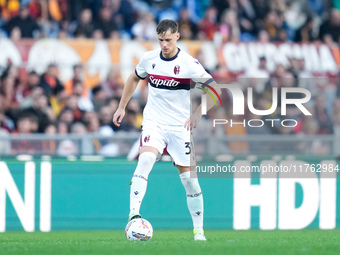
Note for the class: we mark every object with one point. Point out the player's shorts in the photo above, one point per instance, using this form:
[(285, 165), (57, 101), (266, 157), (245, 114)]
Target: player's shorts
[(179, 143)]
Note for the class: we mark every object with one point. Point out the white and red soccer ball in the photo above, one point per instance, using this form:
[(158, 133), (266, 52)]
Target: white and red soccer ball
[(138, 230)]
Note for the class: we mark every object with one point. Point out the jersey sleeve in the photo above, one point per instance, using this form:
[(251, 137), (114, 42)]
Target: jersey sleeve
[(198, 71), (140, 68)]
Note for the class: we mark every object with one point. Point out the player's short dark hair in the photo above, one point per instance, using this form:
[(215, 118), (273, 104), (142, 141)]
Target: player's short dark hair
[(167, 24)]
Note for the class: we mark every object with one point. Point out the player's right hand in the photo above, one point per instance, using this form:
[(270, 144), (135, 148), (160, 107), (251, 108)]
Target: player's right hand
[(192, 122), (118, 116)]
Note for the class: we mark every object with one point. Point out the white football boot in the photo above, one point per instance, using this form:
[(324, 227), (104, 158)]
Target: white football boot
[(199, 235), (134, 215)]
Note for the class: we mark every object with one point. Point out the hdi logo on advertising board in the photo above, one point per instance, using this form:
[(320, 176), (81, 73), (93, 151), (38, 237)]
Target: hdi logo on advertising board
[(25, 206)]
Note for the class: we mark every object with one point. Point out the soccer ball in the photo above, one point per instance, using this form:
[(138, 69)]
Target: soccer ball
[(138, 230)]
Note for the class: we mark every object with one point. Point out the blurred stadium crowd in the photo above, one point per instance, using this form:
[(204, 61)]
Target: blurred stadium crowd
[(220, 20), (43, 104), (245, 20)]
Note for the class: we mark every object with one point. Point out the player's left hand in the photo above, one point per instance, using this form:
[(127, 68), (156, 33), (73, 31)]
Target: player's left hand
[(192, 122)]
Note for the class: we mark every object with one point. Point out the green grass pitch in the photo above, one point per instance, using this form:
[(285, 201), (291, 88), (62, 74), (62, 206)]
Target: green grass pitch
[(173, 242)]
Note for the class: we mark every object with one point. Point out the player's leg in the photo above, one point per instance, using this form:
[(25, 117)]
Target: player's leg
[(139, 181), (180, 148), (194, 199), (151, 145)]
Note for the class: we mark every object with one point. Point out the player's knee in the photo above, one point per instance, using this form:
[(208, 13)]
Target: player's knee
[(191, 185), (145, 162), (147, 158)]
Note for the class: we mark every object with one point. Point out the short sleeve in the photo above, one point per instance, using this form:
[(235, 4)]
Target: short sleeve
[(197, 70), (140, 69)]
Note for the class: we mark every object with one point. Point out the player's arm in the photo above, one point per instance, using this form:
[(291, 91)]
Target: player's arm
[(197, 115), (129, 89), (210, 100)]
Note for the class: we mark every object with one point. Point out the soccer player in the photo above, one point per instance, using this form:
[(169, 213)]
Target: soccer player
[(166, 118)]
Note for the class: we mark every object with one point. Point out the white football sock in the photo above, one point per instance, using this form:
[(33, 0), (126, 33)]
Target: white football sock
[(140, 180), (194, 199)]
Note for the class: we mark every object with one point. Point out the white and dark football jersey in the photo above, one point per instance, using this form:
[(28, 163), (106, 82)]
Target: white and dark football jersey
[(168, 104)]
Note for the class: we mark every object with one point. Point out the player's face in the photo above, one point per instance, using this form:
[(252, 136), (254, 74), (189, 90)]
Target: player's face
[(168, 43)]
